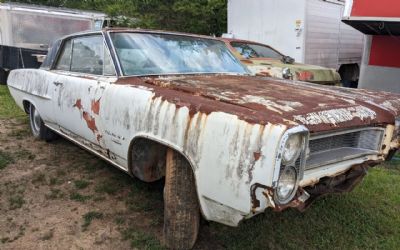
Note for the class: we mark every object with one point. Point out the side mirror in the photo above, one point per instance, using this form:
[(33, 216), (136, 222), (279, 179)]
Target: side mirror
[(288, 60)]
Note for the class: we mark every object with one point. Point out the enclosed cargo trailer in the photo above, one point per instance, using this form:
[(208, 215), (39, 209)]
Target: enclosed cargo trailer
[(26, 32), (380, 21), (310, 31)]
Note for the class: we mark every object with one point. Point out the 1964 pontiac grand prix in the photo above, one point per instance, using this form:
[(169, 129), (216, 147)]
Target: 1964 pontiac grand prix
[(230, 145)]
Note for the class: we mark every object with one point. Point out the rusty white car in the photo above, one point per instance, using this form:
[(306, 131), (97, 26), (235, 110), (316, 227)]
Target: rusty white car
[(158, 104)]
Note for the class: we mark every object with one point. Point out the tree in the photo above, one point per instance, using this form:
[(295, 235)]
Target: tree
[(208, 17)]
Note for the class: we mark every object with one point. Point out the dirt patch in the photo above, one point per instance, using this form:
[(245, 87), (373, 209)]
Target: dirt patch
[(58, 196)]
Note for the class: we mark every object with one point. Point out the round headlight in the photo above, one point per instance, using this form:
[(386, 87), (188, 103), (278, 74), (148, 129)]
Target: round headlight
[(286, 184), (292, 149)]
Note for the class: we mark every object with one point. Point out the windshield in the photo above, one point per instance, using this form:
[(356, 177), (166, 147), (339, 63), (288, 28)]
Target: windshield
[(250, 50), (157, 54)]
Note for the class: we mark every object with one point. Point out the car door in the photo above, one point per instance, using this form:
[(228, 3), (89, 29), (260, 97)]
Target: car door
[(85, 71)]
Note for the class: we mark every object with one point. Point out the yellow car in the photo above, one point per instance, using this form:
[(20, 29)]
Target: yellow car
[(263, 60)]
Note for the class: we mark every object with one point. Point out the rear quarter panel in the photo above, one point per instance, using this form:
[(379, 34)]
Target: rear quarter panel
[(34, 86)]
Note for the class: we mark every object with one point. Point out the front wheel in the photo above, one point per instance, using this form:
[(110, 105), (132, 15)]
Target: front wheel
[(39, 130), (181, 206)]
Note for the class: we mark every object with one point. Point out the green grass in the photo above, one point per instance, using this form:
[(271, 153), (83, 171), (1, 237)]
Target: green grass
[(141, 240), (89, 217), (5, 159), (81, 184), (75, 196), (16, 201), (8, 109), (108, 187)]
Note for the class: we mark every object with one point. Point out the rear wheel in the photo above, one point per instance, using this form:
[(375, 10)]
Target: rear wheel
[(39, 130), (181, 206)]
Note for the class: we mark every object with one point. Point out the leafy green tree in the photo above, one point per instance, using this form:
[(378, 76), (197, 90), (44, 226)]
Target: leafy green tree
[(207, 17)]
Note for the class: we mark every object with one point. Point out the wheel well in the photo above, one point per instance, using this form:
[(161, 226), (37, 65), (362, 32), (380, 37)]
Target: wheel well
[(349, 71), (26, 105), (147, 159)]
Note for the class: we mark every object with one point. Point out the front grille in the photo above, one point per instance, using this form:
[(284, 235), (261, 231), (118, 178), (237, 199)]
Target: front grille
[(340, 146)]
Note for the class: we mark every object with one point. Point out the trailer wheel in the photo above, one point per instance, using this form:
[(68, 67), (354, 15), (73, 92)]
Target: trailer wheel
[(3, 77), (181, 206), (39, 130)]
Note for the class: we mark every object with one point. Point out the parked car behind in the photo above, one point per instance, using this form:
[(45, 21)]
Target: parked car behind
[(160, 104), (264, 60)]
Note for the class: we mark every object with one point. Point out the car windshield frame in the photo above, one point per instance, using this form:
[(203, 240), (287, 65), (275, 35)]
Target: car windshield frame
[(255, 44), (239, 65)]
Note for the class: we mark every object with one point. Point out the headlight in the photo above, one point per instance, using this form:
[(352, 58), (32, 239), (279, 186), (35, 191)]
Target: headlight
[(286, 184), (292, 149)]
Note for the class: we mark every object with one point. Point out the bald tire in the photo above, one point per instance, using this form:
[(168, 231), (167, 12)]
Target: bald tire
[(181, 206)]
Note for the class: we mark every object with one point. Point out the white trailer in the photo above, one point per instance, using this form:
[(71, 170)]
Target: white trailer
[(310, 31), (26, 32), (35, 27)]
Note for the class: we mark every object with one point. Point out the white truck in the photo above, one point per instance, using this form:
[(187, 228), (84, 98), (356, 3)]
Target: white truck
[(26, 32), (310, 31)]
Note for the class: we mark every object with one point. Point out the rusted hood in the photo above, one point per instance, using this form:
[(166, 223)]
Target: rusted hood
[(266, 100)]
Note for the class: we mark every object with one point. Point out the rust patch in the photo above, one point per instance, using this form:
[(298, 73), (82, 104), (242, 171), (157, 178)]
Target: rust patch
[(257, 156), (96, 106), (254, 99), (78, 104), (90, 121), (264, 73)]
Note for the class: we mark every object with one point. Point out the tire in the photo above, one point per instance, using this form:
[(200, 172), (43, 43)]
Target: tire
[(39, 130), (3, 77), (181, 206)]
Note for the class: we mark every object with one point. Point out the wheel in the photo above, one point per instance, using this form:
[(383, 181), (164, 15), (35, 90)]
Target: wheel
[(39, 130), (181, 206), (3, 77)]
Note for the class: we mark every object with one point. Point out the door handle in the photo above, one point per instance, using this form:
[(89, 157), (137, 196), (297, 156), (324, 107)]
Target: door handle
[(57, 83)]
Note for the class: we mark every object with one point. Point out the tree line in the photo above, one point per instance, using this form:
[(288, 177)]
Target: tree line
[(208, 17)]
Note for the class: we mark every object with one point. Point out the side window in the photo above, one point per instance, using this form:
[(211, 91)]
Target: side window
[(108, 69), (64, 60), (87, 55)]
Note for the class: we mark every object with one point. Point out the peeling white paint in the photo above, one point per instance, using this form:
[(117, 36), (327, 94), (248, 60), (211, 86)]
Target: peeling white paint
[(335, 116), (271, 105)]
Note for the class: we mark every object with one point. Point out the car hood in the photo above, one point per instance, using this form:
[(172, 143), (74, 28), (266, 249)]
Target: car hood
[(265, 100), (302, 72)]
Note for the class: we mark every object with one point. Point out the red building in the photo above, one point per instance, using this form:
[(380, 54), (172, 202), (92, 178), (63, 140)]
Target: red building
[(380, 21)]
